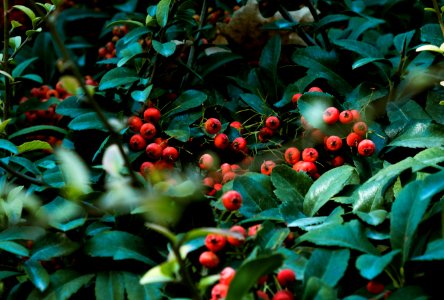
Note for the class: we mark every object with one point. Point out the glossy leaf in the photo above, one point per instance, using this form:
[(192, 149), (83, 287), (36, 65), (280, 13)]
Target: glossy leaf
[(109, 285), (143, 95), (434, 251), (22, 233), (370, 266), (37, 274), (187, 100), (136, 291), (8, 146), (317, 289), (63, 214), (51, 247), (35, 129), (14, 248), (420, 135), (162, 11), (165, 49), (164, 272), (65, 283), (270, 56), (327, 265), (87, 121), (33, 146), (117, 77), (374, 218)]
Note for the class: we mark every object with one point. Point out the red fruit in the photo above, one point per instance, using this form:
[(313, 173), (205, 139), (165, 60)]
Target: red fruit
[(237, 125), (102, 52), (265, 134), (305, 166), (252, 230), (52, 93), (151, 115), (232, 200), (346, 117), (310, 154), (353, 139), (267, 167), (356, 115), (213, 126), (206, 162), (366, 147), (221, 141), (315, 89), (109, 46), (239, 144), (153, 151), (234, 241), (337, 161), (286, 277), (360, 128), (209, 259), (208, 181), (375, 287), (146, 167), (162, 142), (217, 186), (262, 295), (225, 168), (135, 123), (333, 143), (236, 168), (272, 123), (331, 115), (219, 291), (292, 155), (170, 154), (137, 142), (283, 295), (228, 176), (215, 242), (226, 275), (148, 131), (295, 98)]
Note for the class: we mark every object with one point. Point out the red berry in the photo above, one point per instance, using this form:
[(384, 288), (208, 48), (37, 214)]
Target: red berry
[(252, 230), (170, 154), (215, 242), (262, 295), (209, 259), (286, 277), (221, 141), (146, 167), (292, 155), (213, 126), (315, 89), (151, 115), (52, 93), (228, 176), (272, 123), (232, 200), (162, 142), (353, 139), (346, 117), (366, 147), (217, 186), (310, 154), (331, 115), (234, 241), (375, 287), (360, 128), (219, 291), (148, 131), (226, 275), (333, 143), (283, 295), (208, 181), (137, 142), (337, 161), (153, 151), (237, 125), (239, 144), (305, 166), (265, 134), (206, 162), (135, 123), (356, 115), (102, 52), (225, 168), (295, 98), (267, 167)]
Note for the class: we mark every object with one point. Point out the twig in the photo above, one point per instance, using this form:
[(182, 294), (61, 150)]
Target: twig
[(438, 14), (7, 100), (314, 12), (22, 176)]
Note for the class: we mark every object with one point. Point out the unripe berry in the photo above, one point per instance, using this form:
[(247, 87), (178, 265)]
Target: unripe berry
[(333, 143), (206, 162), (353, 139), (215, 242), (135, 123), (360, 128), (137, 142), (267, 167), (292, 155), (148, 131), (366, 147), (170, 154), (234, 241), (219, 291), (232, 200), (330, 115), (310, 154), (239, 144), (209, 259), (221, 141), (305, 166), (226, 275), (346, 117), (315, 89), (286, 277), (153, 151), (272, 123), (212, 126), (151, 115), (295, 98), (375, 287), (283, 295)]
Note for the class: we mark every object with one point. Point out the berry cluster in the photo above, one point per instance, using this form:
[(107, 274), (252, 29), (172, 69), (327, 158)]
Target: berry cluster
[(109, 50)]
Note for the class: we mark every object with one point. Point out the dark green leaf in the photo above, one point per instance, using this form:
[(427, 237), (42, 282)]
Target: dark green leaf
[(217, 60), (316, 289), (136, 291), (330, 19), (187, 100), (270, 56), (409, 292), (256, 103), (72, 107), (433, 107), (327, 265), (431, 33), (403, 39), (109, 286), (37, 274), (364, 61), (117, 77), (142, 96), (328, 185), (7, 145), (165, 49), (434, 251), (18, 70), (362, 48), (66, 283), (129, 52), (162, 11), (249, 273), (350, 235), (420, 135), (374, 218), (53, 247), (37, 128), (22, 233), (371, 266), (87, 121), (14, 248)]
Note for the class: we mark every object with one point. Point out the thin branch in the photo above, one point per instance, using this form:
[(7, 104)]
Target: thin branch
[(324, 34), (7, 100), (22, 176), (438, 15)]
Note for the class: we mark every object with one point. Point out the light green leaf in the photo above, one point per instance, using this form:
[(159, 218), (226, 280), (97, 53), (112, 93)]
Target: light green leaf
[(162, 11), (33, 145), (371, 266), (434, 251), (7, 145), (165, 49)]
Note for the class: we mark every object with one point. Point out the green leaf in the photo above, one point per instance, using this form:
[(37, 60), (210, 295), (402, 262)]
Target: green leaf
[(7, 145), (18, 70), (22, 233), (75, 172), (409, 292), (37, 274), (14, 248), (216, 60), (316, 289), (290, 186), (142, 96), (35, 129), (119, 244), (187, 100), (88, 121), (162, 11), (27, 11), (136, 291), (374, 218), (66, 283), (165, 49), (433, 107), (72, 107), (257, 104), (51, 247), (109, 286), (428, 158), (13, 205), (256, 190), (117, 77), (33, 145), (431, 33), (129, 52), (270, 56), (164, 272), (63, 214), (409, 209), (327, 265), (350, 235), (365, 61), (249, 273), (362, 48), (370, 266), (420, 135), (434, 251), (328, 185)]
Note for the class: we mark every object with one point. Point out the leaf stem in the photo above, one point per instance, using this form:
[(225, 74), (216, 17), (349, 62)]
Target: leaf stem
[(438, 15), (314, 12), (7, 99)]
